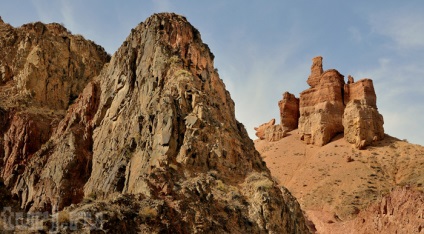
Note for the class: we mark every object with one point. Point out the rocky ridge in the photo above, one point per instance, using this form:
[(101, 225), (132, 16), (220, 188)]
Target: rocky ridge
[(43, 70), (329, 107), (151, 142)]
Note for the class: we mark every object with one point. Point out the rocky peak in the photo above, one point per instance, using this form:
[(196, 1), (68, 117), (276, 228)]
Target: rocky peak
[(330, 106), (157, 125), (43, 69), (47, 64)]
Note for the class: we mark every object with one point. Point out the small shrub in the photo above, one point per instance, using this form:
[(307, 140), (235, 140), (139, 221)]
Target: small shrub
[(63, 217), (148, 212)]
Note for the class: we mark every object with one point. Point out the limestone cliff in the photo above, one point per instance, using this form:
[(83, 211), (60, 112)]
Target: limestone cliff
[(153, 144)]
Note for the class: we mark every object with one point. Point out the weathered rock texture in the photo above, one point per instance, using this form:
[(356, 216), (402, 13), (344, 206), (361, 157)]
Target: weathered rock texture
[(361, 120), (380, 190), (43, 69), (48, 64), (155, 135), (270, 132), (316, 72), (399, 211), (289, 117), (362, 124), (289, 111), (329, 107), (260, 131), (321, 109), (360, 90)]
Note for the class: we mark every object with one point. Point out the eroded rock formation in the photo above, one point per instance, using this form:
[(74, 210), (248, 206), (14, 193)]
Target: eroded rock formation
[(155, 135), (289, 117), (289, 111), (316, 72), (330, 107), (362, 124), (321, 109)]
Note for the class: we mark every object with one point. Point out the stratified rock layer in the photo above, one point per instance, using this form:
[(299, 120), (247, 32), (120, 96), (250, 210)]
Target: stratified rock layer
[(155, 135), (289, 111), (321, 109), (329, 107), (270, 132), (316, 72), (362, 124)]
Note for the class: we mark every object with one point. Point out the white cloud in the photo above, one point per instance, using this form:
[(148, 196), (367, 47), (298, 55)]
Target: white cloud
[(404, 27), (257, 82), (67, 13)]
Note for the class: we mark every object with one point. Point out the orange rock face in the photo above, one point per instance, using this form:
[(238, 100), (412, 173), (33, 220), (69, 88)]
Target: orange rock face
[(289, 111), (316, 72), (360, 90), (260, 131), (321, 109), (329, 107)]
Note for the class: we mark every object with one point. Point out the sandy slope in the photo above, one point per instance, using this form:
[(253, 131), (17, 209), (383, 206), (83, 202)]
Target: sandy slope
[(333, 189)]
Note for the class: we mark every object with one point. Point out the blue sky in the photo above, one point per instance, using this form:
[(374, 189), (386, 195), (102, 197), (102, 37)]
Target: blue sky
[(263, 48)]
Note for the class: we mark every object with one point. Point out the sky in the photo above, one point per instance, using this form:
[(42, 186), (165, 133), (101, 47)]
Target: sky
[(264, 48)]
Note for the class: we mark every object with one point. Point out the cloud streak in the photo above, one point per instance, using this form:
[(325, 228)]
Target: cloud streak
[(404, 27)]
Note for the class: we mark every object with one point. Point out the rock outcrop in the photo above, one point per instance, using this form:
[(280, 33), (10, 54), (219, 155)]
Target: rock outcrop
[(321, 109), (270, 132), (155, 136), (43, 69), (362, 123), (289, 117), (260, 131), (289, 112), (49, 65), (330, 107), (316, 72)]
